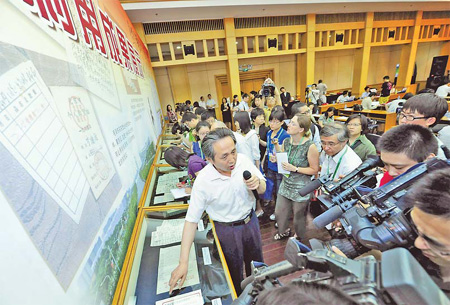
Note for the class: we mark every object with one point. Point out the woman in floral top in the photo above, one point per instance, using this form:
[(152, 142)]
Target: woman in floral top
[(303, 162)]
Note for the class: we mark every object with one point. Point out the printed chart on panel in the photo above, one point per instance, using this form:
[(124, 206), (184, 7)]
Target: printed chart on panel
[(77, 113), (32, 132)]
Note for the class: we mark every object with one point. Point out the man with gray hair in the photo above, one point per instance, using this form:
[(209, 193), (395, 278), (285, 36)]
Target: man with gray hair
[(222, 191), (337, 158)]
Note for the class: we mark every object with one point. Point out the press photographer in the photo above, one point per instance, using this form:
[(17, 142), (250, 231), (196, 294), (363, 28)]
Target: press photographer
[(401, 148), (431, 217), (269, 89)]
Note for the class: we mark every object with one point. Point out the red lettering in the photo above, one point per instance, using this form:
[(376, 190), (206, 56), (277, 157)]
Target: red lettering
[(91, 30), (132, 57), (138, 60), (54, 13), (123, 48), (110, 37)]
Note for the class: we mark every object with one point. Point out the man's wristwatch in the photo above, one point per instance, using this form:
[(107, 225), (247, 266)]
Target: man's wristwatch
[(296, 169)]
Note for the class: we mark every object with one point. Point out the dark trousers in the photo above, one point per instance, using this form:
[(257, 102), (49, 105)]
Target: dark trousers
[(240, 245), (276, 178)]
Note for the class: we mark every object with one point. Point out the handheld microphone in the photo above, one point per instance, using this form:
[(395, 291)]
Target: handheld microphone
[(247, 175)]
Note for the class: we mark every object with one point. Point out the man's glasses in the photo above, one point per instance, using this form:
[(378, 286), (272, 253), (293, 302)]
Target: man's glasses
[(430, 243), (410, 117), (329, 144)]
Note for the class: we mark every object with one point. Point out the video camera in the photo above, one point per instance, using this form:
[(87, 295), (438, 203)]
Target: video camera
[(377, 220), (268, 88), (366, 280)]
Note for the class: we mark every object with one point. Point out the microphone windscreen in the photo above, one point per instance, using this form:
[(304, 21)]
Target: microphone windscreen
[(310, 187), (247, 175), (327, 217)]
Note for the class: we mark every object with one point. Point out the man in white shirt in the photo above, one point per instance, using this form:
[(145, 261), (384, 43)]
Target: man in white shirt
[(202, 102), (337, 158), (366, 92), (221, 190), (322, 87), (443, 90), (211, 105), (243, 105), (367, 102), (343, 97), (313, 94), (392, 106)]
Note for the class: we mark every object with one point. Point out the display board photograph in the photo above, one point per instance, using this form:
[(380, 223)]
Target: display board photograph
[(79, 120)]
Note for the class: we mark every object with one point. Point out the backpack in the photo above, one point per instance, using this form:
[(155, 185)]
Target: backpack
[(357, 107), (313, 130)]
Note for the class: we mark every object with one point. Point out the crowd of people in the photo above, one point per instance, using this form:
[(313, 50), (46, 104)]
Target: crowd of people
[(277, 139)]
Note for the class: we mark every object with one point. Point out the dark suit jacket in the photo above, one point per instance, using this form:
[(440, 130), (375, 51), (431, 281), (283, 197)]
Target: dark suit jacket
[(285, 98)]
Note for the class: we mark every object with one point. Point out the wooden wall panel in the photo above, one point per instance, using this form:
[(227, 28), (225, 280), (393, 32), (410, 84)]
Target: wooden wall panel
[(335, 68), (199, 85), (179, 83), (425, 53), (382, 62), (283, 67), (163, 85)]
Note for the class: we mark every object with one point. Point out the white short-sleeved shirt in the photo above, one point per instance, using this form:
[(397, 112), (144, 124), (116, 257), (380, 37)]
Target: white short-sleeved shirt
[(392, 106), (364, 94), (350, 161), (443, 90), (252, 141), (322, 88), (241, 145), (211, 103), (224, 198), (342, 99), (243, 106)]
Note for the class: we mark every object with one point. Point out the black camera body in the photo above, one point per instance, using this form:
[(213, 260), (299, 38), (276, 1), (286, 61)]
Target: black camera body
[(368, 281), (378, 220), (268, 90)]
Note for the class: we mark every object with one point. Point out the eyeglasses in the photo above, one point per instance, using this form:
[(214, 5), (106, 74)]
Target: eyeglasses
[(410, 117), (306, 112), (329, 144), (354, 124), (430, 243)]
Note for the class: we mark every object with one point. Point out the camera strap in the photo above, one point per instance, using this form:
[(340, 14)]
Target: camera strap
[(337, 166)]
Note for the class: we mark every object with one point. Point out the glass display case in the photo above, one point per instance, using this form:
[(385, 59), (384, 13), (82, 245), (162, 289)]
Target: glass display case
[(155, 253)]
